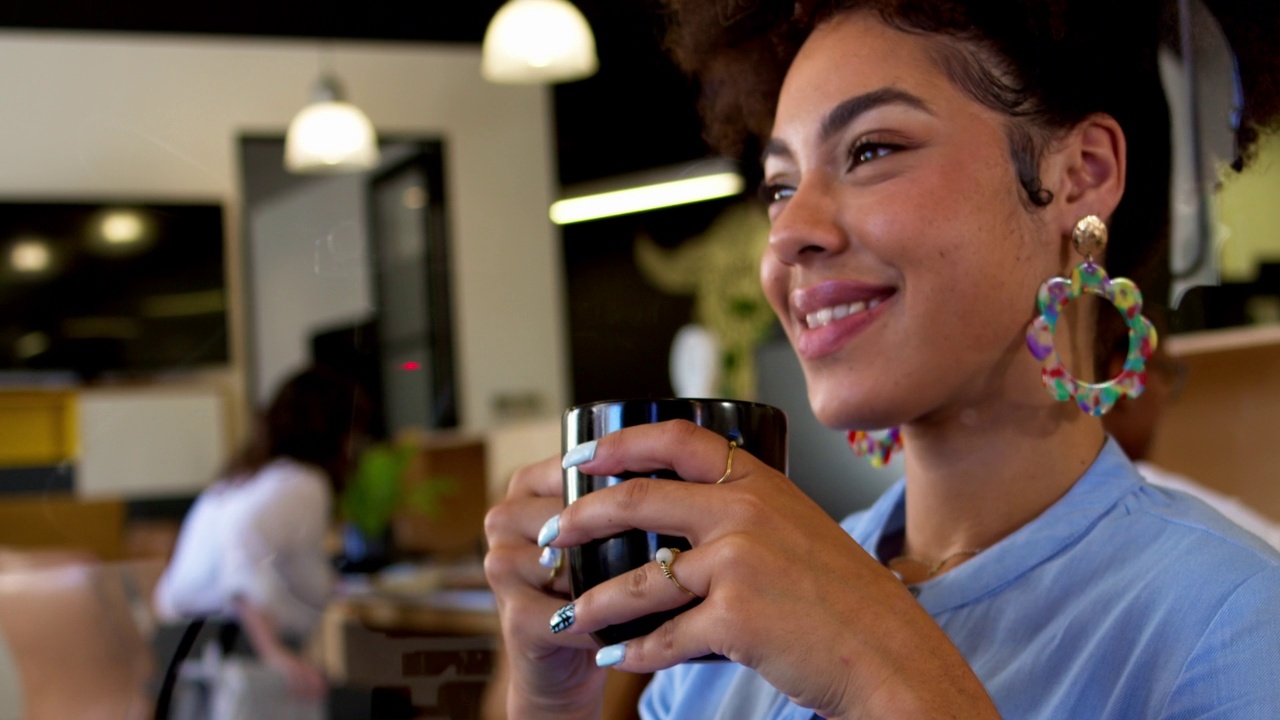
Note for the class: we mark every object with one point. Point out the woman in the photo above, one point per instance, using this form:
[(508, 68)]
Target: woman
[(252, 548), (926, 167)]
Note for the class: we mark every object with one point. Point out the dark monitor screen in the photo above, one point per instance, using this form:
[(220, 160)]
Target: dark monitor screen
[(102, 289)]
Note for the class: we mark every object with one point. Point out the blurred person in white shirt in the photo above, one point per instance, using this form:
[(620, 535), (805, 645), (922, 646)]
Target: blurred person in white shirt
[(251, 549)]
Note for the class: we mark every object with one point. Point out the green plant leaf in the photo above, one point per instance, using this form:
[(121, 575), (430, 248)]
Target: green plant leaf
[(373, 493)]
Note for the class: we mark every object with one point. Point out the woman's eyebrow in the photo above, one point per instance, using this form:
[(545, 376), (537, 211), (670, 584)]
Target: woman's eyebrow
[(846, 112), (850, 110), (774, 148)]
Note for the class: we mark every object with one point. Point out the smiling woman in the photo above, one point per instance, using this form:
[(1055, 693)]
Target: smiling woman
[(934, 172)]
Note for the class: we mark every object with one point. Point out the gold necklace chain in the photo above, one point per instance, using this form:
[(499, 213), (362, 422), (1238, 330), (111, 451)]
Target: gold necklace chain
[(933, 568)]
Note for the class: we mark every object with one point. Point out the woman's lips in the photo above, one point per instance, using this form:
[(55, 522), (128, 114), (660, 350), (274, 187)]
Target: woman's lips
[(831, 313)]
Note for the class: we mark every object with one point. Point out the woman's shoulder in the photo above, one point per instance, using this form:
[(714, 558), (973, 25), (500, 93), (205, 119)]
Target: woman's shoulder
[(1163, 480), (285, 480), (288, 470), (1192, 527), (1112, 505), (1164, 558)]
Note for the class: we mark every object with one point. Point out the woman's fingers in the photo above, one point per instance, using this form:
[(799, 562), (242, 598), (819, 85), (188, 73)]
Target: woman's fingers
[(696, 511), (675, 641), (527, 594), (529, 615), (670, 507), (643, 591), (513, 558), (520, 519), (694, 453), (542, 479), (554, 564)]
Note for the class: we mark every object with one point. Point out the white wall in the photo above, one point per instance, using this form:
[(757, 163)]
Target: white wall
[(154, 442), (88, 116), (308, 271)]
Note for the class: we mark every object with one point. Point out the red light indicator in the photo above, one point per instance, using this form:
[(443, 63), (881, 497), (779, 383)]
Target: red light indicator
[(411, 365)]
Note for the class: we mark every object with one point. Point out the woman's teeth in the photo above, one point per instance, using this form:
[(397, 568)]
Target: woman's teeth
[(828, 315)]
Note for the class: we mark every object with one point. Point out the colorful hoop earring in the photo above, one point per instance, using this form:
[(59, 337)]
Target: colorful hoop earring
[(877, 450), (1090, 237)]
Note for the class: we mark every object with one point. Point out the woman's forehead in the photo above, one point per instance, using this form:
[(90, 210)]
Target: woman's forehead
[(853, 54)]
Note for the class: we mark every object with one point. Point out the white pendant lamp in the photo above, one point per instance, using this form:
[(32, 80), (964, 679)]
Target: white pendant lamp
[(330, 135), (538, 41)]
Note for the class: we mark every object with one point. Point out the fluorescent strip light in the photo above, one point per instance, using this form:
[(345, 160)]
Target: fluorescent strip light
[(647, 197)]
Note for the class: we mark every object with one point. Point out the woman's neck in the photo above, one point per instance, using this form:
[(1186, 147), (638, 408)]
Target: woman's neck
[(977, 476)]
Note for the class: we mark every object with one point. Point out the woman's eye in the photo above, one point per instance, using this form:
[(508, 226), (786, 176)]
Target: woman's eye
[(868, 151), (773, 192)]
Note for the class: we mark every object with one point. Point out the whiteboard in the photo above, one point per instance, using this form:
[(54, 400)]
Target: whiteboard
[(154, 443)]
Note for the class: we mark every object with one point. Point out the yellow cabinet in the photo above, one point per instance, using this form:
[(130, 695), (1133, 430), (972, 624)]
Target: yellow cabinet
[(37, 427)]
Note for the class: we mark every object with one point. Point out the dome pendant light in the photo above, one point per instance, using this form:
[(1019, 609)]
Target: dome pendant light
[(330, 135), (538, 41)]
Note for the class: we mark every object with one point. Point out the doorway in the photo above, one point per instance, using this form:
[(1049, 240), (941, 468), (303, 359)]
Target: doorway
[(352, 270)]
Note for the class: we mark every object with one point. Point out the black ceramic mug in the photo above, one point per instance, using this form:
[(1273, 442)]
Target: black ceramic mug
[(758, 429)]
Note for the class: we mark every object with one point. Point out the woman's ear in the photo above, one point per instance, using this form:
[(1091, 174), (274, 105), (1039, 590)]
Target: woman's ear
[(1091, 164)]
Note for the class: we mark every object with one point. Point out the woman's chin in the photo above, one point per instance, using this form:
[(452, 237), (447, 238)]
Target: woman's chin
[(853, 411)]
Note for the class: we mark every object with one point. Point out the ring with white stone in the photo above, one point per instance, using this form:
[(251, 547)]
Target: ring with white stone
[(557, 564), (666, 557)]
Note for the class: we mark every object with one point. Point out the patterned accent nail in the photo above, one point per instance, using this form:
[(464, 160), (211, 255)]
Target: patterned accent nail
[(611, 655), (550, 557), (579, 454), (563, 618), (549, 532)]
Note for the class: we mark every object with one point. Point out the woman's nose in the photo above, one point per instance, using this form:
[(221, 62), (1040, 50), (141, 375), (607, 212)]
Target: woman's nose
[(808, 226)]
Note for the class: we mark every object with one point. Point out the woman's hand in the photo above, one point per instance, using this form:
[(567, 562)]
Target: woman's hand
[(786, 591), (551, 676), (304, 680)]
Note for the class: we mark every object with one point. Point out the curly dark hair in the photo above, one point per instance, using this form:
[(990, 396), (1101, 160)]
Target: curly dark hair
[(1045, 64)]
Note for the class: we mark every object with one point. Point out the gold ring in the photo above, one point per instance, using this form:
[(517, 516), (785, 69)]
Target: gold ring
[(728, 465), (666, 557), (555, 570)]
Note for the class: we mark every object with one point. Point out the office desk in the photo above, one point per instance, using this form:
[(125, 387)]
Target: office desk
[(415, 631), (442, 611)]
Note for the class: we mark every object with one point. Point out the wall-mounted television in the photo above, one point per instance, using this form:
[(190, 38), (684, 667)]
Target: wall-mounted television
[(95, 290)]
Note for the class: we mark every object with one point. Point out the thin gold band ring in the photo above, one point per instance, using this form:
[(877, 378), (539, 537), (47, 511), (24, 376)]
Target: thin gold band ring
[(728, 465)]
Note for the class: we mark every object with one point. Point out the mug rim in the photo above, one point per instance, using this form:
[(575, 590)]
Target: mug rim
[(751, 404)]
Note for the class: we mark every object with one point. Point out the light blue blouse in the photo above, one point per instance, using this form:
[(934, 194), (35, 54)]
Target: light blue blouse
[(1121, 601)]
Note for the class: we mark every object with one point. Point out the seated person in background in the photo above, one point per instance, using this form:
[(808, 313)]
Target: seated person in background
[(1133, 424), (252, 547)]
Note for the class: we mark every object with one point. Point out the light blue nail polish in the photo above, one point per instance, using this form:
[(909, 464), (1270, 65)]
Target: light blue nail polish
[(563, 618), (550, 557), (549, 532), (579, 454), (611, 655)]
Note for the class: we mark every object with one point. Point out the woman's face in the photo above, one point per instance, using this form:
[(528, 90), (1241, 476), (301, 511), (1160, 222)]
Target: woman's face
[(903, 260)]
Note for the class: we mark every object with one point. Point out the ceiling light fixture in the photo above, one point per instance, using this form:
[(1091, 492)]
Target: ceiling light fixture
[(658, 189), (30, 256), (122, 227), (119, 231), (538, 41), (330, 135)]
